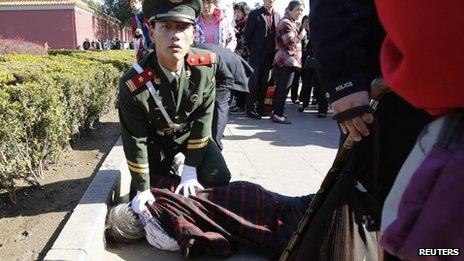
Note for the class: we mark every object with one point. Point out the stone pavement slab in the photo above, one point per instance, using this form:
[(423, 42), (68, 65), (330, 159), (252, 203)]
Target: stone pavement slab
[(288, 159)]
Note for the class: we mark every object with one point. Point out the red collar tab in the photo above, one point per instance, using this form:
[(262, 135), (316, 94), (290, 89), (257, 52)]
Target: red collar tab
[(201, 59), (139, 80)]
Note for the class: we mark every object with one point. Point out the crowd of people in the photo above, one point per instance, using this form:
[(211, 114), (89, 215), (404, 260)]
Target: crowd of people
[(95, 44), (254, 39), (172, 116)]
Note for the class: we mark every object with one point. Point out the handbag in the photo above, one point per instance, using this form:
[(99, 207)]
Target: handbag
[(424, 207)]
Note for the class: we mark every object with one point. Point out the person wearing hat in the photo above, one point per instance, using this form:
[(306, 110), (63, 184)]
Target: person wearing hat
[(166, 104)]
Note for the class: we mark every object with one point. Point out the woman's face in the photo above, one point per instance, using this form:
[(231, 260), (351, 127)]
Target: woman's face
[(238, 14), (208, 8), (296, 12), (306, 24)]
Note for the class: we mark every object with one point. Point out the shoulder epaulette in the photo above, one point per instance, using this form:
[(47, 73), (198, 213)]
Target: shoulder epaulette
[(202, 59), (139, 80)]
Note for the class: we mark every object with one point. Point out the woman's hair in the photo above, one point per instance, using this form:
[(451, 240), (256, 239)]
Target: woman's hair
[(242, 6), (123, 225), (215, 2), (306, 17), (293, 4)]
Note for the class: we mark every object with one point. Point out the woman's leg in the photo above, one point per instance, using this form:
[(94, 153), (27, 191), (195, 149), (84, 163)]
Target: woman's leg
[(284, 81), (302, 203)]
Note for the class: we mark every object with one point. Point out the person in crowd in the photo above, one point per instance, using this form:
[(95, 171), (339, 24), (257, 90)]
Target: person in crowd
[(166, 104), (304, 25), (140, 28), (217, 221), (347, 37), (93, 45), (233, 74), (117, 44), (213, 27), (138, 44), (306, 73), (86, 44), (287, 59), (241, 11), (260, 38)]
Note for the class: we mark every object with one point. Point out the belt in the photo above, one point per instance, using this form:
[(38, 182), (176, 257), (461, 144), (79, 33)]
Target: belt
[(173, 130)]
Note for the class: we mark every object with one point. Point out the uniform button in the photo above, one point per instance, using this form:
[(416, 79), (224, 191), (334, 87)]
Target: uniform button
[(192, 60), (176, 117), (149, 73), (202, 59), (149, 122), (327, 95)]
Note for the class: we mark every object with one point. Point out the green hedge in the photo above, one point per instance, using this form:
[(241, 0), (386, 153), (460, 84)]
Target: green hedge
[(47, 100)]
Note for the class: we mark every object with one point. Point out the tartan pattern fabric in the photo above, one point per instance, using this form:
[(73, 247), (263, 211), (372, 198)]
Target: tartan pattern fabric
[(220, 220), (288, 44)]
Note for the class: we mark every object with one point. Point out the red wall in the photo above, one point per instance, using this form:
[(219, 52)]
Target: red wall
[(96, 27), (66, 28), (52, 26)]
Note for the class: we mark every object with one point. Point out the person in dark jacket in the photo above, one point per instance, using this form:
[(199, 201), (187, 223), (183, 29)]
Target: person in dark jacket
[(217, 221), (241, 11), (233, 73), (347, 36), (260, 39)]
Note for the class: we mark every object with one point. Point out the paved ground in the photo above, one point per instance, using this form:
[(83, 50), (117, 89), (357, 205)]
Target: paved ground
[(288, 159)]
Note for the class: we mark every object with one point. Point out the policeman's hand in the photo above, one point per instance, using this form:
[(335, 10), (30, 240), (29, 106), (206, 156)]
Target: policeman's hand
[(138, 203), (356, 127), (188, 181)]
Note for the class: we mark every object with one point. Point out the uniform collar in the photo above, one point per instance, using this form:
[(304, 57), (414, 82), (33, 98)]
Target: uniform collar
[(170, 75)]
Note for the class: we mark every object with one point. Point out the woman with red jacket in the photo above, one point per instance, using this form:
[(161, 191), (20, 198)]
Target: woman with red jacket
[(287, 59)]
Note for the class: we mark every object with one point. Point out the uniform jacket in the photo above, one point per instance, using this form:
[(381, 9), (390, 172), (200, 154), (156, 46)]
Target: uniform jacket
[(422, 56), (191, 101), (216, 222), (259, 34), (288, 44), (346, 37), (233, 72)]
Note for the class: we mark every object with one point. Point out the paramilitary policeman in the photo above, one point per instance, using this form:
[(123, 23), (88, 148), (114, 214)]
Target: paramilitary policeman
[(167, 101)]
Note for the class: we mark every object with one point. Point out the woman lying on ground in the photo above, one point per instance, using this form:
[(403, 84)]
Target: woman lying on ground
[(216, 221)]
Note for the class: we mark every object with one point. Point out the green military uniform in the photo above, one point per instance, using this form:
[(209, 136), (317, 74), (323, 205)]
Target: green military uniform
[(163, 112)]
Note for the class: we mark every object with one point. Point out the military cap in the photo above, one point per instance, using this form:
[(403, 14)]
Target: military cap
[(172, 10)]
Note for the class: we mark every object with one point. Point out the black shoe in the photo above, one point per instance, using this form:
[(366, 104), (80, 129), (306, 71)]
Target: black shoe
[(301, 108), (237, 111), (281, 119), (321, 115), (296, 101), (254, 115), (264, 114)]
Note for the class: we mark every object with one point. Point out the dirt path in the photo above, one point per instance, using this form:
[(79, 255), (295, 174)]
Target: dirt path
[(29, 228)]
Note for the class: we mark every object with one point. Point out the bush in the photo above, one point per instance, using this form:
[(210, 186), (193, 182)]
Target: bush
[(13, 46), (122, 60), (45, 101)]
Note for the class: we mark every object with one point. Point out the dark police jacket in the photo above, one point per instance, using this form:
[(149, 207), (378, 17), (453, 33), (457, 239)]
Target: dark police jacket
[(232, 72), (346, 37)]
